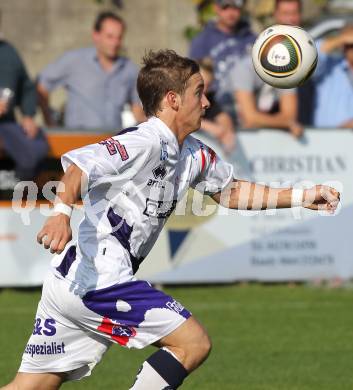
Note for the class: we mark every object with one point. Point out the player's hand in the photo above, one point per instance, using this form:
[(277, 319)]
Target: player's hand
[(56, 233), (321, 198)]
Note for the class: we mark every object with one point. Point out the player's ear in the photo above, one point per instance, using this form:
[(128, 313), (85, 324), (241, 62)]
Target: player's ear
[(173, 100)]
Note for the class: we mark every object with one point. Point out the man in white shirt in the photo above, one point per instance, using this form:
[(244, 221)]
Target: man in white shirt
[(132, 182)]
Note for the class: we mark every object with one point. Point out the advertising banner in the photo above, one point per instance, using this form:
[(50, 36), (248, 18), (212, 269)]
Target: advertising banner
[(226, 246), (271, 245)]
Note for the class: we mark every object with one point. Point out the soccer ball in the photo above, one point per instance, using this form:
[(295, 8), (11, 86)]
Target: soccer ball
[(284, 56)]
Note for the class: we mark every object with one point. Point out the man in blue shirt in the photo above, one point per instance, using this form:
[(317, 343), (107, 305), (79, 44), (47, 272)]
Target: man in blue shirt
[(334, 82), (98, 81), (224, 41)]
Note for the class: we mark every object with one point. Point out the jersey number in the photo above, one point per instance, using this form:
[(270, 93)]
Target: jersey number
[(114, 147)]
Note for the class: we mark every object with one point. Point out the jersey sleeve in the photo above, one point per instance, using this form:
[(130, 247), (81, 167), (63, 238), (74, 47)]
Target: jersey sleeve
[(119, 155), (214, 174)]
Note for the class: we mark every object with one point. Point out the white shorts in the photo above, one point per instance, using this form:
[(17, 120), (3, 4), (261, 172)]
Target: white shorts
[(71, 333)]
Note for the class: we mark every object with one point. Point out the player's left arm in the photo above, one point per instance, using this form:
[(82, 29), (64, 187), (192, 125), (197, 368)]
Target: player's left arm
[(56, 232), (245, 195)]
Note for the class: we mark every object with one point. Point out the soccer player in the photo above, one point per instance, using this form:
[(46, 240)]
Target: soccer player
[(131, 182)]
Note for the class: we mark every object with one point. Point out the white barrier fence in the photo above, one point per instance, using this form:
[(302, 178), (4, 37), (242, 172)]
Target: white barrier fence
[(228, 246)]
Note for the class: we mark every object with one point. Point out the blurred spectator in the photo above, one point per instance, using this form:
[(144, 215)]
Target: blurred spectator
[(290, 12), (224, 41), (257, 103), (99, 82), (260, 105), (216, 122), (24, 142), (334, 82)]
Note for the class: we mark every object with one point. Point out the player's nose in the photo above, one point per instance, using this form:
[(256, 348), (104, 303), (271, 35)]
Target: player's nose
[(205, 102)]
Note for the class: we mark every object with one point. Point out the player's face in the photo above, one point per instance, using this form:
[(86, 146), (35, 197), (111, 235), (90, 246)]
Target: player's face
[(228, 16), (288, 12), (109, 39), (193, 104)]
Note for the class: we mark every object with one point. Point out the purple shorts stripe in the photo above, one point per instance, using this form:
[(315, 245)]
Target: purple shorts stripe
[(138, 296), (66, 263)]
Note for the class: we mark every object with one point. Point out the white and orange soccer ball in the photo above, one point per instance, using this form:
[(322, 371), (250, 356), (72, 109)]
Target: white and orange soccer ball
[(284, 56)]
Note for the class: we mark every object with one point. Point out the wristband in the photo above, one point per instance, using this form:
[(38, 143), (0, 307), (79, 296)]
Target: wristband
[(63, 209), (297, 197)]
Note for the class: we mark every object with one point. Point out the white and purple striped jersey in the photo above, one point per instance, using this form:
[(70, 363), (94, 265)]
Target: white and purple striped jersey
[(134, 182)]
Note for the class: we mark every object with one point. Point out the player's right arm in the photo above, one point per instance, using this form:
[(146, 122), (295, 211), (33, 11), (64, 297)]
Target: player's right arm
[(216, 179), (244, 195), (56, 232)]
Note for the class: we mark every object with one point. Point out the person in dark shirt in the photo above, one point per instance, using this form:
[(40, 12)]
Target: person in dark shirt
[(24, 142)]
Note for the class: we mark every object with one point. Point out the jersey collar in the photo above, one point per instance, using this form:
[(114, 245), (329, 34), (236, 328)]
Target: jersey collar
[(164, 129)]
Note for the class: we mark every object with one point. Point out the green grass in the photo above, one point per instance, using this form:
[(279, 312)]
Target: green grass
[(264, 338)]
